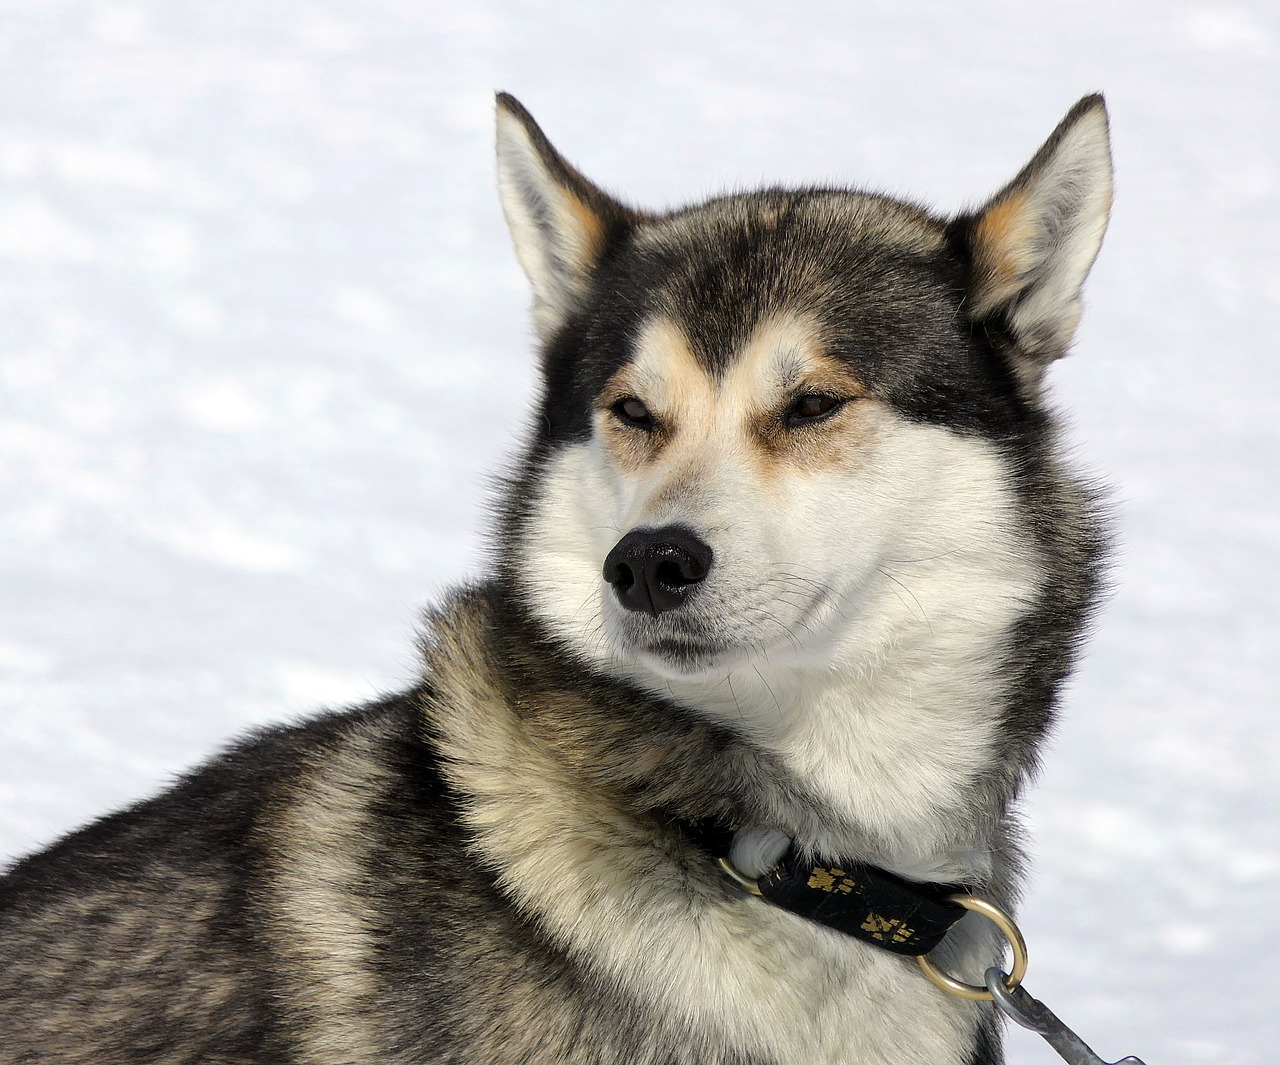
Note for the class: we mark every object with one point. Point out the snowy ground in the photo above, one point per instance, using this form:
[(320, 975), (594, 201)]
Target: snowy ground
[(264, 340)]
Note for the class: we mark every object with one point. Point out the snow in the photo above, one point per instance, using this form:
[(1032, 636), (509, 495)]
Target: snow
[(265, 344)]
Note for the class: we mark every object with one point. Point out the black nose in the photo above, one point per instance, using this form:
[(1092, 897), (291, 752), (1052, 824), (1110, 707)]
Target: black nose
[(655, 569)]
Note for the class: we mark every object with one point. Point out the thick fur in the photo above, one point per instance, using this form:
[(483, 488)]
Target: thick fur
[(490, 867)]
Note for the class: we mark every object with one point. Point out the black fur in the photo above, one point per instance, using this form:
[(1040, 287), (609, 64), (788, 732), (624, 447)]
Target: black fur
[(895, 315)]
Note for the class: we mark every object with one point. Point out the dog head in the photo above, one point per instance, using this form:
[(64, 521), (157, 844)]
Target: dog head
[(786, 429)]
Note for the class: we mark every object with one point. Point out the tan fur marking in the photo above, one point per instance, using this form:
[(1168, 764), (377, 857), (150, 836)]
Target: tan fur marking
[(831, 375), (629, 448), (740, 417), (318, 915), (828, 444), (591, 229), (668, 379), (1002, 240), (783, 359), (667, 357)]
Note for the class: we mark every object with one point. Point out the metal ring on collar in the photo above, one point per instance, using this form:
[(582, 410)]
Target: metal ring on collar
[(743, 881), (1008, 929)]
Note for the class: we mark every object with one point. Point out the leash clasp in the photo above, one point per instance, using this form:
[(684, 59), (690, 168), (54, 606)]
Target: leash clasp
[(1008, 994), (1035, 1016)]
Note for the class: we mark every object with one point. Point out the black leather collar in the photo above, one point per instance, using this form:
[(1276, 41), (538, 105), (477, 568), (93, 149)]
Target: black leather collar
[(862, 901)]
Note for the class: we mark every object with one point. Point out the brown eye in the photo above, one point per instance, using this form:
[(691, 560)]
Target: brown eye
[(632, 412), (812, 407)]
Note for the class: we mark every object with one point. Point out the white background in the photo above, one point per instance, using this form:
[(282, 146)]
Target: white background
[(262, 342)]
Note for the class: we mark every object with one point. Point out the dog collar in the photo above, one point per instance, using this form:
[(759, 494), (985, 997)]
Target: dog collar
[(859, 900)]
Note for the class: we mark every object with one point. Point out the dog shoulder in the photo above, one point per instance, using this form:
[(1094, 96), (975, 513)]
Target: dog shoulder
[(168, 898)]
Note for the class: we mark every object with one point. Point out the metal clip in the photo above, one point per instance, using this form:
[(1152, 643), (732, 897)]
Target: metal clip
[(1034, 1015)]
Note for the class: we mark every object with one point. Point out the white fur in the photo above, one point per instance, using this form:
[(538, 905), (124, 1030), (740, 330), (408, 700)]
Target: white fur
[(757, 849), (553, 240)]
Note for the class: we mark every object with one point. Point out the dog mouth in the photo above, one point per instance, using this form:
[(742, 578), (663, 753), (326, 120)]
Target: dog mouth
[(690, 645), (686, 653), (671, 647)]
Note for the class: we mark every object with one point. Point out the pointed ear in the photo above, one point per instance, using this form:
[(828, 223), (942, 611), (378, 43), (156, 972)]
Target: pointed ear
[(1033, 244), (559, 222)]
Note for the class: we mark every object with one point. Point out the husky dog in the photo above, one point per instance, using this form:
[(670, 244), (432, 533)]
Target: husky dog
[(792, 549)]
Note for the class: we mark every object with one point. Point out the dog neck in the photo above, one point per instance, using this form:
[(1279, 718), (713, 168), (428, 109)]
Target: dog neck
[(570, 784), (843, 768)]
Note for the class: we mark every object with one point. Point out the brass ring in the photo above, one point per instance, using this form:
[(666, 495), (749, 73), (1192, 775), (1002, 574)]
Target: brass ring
[(745, 882), (1010, 932)]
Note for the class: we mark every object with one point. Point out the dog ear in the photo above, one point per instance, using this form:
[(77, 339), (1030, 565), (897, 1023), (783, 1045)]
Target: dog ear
[(559, 222), (1035, 241)]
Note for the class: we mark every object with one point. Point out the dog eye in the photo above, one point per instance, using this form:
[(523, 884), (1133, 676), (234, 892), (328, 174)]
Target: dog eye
[(812, 407), (632, 412)]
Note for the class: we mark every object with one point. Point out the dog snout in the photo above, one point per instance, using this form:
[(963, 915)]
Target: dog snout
[(654, 570)]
